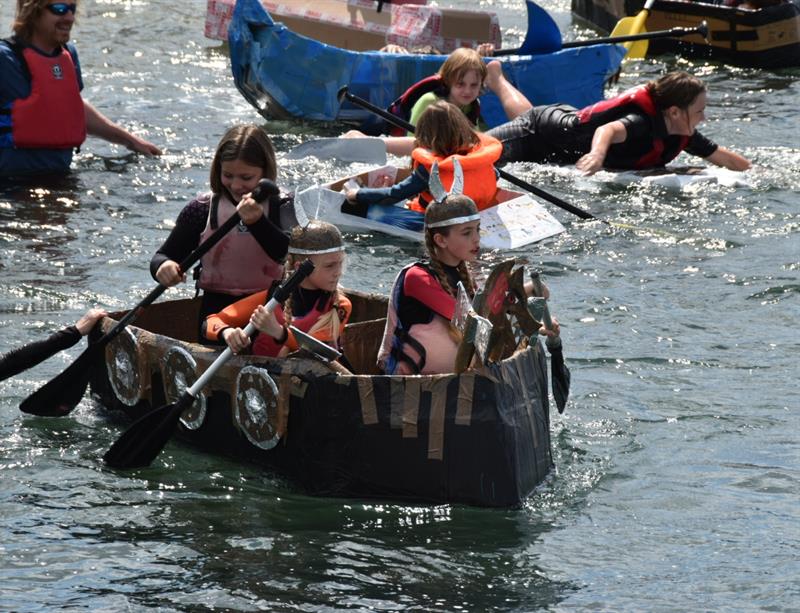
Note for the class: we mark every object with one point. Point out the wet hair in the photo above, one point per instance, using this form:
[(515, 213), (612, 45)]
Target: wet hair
[(248, 143), (459, 63), (675, 89), (449, 208), (316, 236), (28, 11), (445, 130)]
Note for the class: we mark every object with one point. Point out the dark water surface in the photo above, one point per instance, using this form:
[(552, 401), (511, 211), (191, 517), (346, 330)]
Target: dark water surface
[(677, 461)]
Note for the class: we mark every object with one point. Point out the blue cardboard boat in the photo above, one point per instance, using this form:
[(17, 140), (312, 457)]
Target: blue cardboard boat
[(288, 76)]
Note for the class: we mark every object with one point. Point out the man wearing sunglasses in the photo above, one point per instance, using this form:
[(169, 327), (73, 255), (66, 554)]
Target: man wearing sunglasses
[(43, 117)]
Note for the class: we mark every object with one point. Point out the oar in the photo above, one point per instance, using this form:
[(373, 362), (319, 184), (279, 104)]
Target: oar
[(143, 441), (63, 393), (366, 149), (393, 119), (676, 32), (634, 25), (560, 374)]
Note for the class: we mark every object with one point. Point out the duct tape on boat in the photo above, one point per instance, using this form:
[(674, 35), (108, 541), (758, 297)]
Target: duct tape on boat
[(123, 367), (256, 407), (179, 371)]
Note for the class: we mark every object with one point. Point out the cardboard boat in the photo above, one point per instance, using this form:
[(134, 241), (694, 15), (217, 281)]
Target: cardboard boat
[(514, 221), (481, 437), (288, 76), (768, 37), (359, 26)]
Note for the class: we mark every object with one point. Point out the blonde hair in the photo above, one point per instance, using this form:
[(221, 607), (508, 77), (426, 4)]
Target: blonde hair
[(459, 63), (316, 236), (449, 208), (28, 11), (248, 143), (445, 130)]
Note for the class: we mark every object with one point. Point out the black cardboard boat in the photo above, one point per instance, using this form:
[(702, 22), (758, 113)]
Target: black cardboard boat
[(767, 37), (480, 438)]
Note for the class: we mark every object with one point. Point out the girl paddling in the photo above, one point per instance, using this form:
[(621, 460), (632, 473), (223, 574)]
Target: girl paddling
[(244, 156), (445, 137), (317, 306)]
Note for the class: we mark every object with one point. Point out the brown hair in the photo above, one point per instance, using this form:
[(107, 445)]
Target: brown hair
[(28, 11), (248, 143), (445, 130), (675, 89), (459, 63), (317, 235), (450, 208)]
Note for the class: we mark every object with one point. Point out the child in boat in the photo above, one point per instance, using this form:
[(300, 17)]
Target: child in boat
[(243, 157), (418, 338), (317, 306), (460, 80), (443, 136)]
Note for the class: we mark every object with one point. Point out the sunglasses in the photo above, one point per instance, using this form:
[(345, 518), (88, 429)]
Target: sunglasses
[(61, 8)]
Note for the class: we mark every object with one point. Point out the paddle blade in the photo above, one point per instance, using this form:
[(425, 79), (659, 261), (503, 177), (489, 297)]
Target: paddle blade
[(368, 150), (560, 376), (143, 441), (61, 394)]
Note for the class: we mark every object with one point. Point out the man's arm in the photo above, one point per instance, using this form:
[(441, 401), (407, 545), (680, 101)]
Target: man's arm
[(101, 126)]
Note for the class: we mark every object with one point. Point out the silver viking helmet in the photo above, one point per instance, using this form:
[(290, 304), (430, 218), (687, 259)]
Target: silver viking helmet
[(436, 188)]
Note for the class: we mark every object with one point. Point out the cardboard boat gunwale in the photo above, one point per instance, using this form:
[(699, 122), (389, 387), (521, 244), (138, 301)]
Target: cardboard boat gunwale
[(480, 438)]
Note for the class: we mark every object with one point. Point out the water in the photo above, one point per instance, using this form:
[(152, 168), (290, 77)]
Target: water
[(677, 478)]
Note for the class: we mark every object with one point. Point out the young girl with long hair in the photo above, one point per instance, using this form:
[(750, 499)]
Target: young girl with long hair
[(317, 306), (243, 157), (443, 136)]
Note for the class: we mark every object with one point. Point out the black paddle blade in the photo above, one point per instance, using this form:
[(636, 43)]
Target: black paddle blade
[(561, 377), (61, 394), (143, 441)]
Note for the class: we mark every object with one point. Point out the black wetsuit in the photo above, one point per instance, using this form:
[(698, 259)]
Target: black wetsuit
[(17, 360), (554, 134)]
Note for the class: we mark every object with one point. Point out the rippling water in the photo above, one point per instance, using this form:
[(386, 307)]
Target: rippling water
[(677, 460)]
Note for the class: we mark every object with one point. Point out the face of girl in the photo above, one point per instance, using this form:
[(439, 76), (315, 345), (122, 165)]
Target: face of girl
[(684, 121), (239, 178), (466, 90), (462, 243), (328, 269)]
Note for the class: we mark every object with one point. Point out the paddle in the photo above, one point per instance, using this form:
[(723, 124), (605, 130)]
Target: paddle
[(393, 119), (143, 441), (63, 393), (370, 149), (634, 25), (676, 32), (560, 374)]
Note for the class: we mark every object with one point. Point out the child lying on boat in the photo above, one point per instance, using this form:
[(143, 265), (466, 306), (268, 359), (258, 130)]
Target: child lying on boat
[(445, 137), (316, 306), (418, 338)]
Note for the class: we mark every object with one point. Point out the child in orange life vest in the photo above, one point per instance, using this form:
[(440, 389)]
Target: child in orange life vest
[(460, 80), (418, 338), (316, 306), (443, 136), (244, 156)]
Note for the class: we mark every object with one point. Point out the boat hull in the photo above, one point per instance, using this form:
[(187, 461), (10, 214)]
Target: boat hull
[(479, 438), (765, 38), (288, 76)]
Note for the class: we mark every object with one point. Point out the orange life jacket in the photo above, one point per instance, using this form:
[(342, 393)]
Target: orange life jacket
[(480, 178)]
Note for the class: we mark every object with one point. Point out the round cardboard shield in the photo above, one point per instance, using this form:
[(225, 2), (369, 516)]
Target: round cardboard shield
[(256, 407), (179, 371), (122, 365)]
